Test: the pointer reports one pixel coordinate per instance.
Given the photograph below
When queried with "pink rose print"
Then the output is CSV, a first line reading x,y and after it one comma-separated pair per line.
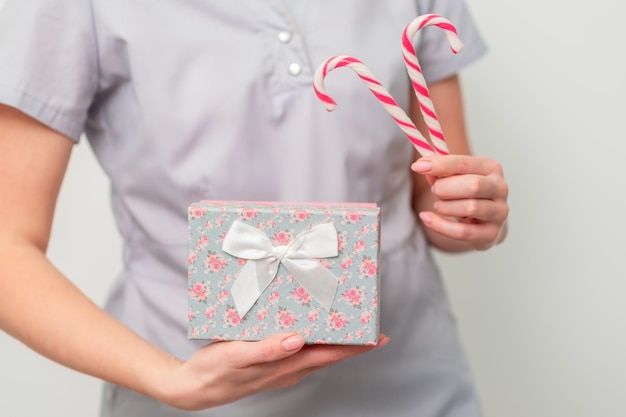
x,y
346,262
199,292
307,332
374,227
375,302
262,313
353,296
348,338
270,223
301,215
209,313
227,279
369,267
194,332
241,261
219,221
301,296
197,212
190,315
274,297
359,246
281,238
231,317
214,262
285,318
208,225
359,333
203,241
222,296
325,263
249,213
313,315
342,242
192,258
337,320
366,316
353,216
256,330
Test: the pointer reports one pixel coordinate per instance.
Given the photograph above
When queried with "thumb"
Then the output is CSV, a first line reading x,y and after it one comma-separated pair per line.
x,y
274,348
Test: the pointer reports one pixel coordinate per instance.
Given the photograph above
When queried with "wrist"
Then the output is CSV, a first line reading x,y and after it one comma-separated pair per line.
x,y
162,379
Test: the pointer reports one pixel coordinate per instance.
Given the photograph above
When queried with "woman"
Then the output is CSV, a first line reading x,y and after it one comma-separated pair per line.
x,y
213,100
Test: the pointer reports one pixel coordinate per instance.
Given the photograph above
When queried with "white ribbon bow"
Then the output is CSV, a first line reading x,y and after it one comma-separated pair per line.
x,y
248,242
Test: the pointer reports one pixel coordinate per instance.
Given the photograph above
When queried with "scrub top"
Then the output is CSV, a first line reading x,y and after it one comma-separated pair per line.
x,y
204,99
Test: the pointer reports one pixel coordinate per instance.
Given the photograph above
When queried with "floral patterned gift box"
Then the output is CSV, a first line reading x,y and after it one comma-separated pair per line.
x,y
257,269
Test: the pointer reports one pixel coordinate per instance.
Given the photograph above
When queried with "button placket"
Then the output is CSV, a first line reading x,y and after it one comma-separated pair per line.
x,y
295,69
292,63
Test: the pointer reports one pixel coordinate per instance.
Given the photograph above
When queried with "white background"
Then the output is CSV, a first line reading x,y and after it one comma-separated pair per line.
x,y
543,317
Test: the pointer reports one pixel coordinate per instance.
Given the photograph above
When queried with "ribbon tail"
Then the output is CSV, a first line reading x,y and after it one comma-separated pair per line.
x,y
254,277
315,278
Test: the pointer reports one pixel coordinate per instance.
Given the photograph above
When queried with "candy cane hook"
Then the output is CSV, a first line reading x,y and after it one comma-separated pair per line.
x,y
417,78
381,93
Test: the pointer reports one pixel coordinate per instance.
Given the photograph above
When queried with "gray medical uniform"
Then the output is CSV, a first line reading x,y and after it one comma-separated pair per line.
x,y
184,100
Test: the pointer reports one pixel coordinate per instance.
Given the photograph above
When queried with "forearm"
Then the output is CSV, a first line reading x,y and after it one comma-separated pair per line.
x,y
45,311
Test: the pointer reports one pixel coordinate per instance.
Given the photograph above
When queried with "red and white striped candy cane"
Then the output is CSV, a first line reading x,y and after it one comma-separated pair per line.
x,y
417,78
381,93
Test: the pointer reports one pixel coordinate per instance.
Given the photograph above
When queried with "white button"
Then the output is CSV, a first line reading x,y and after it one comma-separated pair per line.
x,y
284,36
295,69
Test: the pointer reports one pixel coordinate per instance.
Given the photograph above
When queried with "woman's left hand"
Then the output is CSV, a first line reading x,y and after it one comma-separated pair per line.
x,y
470,196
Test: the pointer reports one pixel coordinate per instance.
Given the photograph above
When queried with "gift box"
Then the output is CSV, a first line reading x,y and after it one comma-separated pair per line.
x,y
257,269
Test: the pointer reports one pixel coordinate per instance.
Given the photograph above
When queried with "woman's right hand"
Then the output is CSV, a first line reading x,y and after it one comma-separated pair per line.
x,y
224,372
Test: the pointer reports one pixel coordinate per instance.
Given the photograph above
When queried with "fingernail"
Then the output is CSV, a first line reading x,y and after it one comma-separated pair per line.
x,y
292,343
426,218
382,342
422,166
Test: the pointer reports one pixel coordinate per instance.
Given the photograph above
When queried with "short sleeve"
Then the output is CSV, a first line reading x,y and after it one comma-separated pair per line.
x,y
436,59
48,61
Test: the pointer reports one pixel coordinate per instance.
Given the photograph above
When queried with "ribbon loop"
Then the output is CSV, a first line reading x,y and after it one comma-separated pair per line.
x,y
247,242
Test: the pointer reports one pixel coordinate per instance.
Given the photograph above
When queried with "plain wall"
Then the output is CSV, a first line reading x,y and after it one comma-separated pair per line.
x,y
542,316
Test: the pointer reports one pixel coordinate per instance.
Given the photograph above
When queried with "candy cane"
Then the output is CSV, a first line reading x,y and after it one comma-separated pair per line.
x,y
381,93
417,78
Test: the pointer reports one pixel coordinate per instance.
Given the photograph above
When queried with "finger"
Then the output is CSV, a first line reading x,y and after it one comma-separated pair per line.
x,y
478,235
271,349
449,165
469,186
325,355
290,370
479,209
